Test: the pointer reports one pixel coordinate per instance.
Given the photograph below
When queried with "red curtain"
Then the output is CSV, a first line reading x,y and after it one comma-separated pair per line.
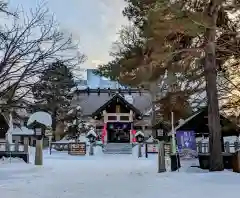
x,y
133,135
104,132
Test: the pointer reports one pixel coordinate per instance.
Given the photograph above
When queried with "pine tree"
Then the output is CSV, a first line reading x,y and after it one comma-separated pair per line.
x,y
53,91
75,124
195,37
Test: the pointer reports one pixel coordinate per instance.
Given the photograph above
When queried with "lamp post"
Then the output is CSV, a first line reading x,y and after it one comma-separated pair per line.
x,y
140,139
91,135
39,132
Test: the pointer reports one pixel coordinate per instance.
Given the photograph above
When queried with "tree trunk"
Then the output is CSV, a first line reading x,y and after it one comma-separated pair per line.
x,y
210,71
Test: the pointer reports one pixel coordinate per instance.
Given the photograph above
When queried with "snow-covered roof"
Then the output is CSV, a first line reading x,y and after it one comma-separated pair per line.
x,y
139,133
70,111
22,131
41,117
74,109
148,113
78,87
185,121
90,103
92,132
182,122
151,139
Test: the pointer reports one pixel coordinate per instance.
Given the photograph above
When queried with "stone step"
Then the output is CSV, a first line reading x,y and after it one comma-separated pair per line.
x,y
117,148
118,153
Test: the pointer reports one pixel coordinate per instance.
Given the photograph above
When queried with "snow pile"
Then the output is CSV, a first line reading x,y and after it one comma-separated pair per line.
x,y
41,117
103,176
82,138
5,160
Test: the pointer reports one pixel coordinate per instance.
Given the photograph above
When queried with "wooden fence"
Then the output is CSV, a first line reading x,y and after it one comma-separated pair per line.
x,y
202,148
59,146
15,147
14,150
63,146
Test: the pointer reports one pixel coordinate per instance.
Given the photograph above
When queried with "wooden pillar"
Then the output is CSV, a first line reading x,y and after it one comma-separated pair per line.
x,y
25,147
143,129
131,116
131,133
105,119
26,143
32,141
39,152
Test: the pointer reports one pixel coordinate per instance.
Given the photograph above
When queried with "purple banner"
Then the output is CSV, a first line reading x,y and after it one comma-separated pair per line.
x,y
186,143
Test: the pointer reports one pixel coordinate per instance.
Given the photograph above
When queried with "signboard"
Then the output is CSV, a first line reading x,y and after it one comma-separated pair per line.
x,y
77,148
38,131
186,144
152,148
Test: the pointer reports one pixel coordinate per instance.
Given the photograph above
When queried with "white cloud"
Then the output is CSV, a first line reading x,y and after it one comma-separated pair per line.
x,y
97,34
94,23
111,21
96,62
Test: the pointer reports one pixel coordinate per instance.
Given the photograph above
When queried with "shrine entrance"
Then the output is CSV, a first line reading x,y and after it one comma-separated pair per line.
x,y
118,116
118,132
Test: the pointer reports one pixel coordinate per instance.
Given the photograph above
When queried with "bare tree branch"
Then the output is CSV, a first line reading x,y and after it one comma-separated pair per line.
x,y
27,47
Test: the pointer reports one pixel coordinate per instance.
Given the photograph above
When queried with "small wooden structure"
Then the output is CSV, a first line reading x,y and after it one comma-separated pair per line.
x,y
19,148
198,123
14,150
78,148
59,146
22,135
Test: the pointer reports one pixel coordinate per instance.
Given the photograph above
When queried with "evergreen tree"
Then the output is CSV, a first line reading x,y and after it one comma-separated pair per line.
x,y
194,37
75,124
53,91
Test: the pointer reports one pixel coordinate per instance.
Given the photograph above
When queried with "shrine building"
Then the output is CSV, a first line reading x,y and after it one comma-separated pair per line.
x,y
116,114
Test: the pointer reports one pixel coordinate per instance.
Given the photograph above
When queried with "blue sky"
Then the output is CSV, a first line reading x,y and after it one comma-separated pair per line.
x,y
93,22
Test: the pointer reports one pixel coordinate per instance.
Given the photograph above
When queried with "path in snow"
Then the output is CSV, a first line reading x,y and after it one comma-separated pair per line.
x,y
109,176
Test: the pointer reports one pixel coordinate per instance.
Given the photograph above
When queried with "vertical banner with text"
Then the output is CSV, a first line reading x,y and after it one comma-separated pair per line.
x,y
186,143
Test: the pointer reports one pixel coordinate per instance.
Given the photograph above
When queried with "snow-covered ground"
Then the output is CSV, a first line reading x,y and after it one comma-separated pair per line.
x,y
110,176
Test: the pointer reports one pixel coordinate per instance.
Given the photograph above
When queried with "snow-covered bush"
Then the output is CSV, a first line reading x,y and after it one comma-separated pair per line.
x,y
75,124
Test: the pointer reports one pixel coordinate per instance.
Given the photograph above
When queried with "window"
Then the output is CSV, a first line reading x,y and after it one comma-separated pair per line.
x,y
125,118
112,117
